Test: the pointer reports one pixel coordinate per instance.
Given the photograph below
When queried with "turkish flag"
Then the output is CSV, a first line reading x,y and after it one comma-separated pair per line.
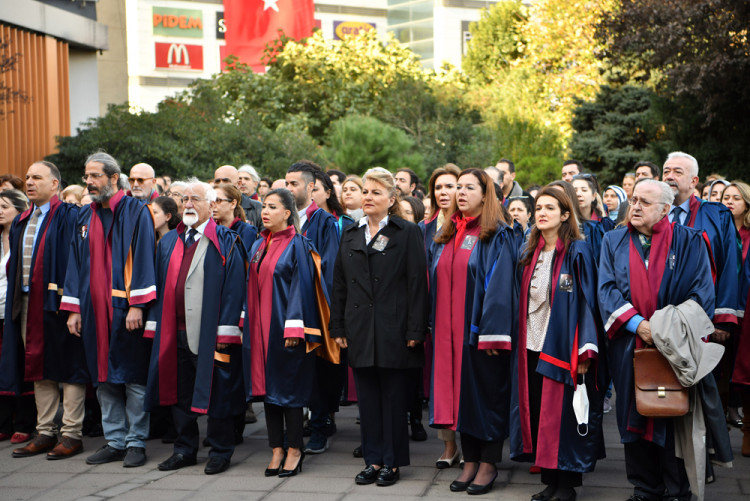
x,y
251,24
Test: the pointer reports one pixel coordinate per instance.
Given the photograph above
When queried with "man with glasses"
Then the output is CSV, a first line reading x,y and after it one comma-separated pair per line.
x,y
227,174
142,180
110,280
176,191
196,358
644,267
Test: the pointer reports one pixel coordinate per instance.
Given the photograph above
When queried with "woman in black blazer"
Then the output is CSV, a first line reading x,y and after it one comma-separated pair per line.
x,y
379,311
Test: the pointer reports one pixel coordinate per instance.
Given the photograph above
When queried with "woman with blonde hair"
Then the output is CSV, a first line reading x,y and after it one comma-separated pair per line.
x,y
351,197
72,194
379,312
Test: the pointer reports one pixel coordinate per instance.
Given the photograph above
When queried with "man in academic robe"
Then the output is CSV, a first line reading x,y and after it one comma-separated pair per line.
x,y
644,267
36,345
196,358
321,229
110,281
143,182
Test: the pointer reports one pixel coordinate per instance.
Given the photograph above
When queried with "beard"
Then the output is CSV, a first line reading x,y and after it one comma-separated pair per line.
x,y
103,194
190,218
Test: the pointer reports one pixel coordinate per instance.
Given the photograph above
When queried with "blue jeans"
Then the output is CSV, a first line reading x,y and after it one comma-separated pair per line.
x,y
124,421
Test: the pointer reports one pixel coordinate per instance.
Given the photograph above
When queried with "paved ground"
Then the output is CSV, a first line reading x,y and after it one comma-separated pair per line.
x,y
329,476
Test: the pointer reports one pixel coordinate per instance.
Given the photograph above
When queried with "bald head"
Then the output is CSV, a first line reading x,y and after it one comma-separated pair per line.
x,y
226,174
142,180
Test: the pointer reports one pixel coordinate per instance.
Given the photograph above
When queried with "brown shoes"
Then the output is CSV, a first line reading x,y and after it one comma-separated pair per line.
x,y
40,444
66,448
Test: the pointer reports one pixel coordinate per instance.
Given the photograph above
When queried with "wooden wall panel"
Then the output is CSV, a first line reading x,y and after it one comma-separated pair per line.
x,y
35,98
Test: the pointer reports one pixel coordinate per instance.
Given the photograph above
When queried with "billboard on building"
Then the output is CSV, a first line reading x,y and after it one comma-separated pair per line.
x,y
177,22
344,28
178,56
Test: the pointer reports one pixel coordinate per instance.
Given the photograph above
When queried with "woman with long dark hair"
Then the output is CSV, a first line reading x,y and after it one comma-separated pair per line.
x,y
589,200
227,211
591,231
166,217
472,265
284,321
558,350
324,196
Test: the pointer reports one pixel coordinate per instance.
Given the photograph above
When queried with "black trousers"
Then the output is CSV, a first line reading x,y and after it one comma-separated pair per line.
x,y
481,451
417,394
384,398
329,384
276,417
559,478
220,432
17,414
656,472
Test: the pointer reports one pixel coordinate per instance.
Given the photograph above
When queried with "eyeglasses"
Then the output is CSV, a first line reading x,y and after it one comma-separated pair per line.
x,y
222,180
139,180
193,199
585,175
519,197
92,175
644,204
173,194
227,200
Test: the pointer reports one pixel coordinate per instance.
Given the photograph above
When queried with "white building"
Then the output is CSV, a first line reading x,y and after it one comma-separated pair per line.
x,y
169,43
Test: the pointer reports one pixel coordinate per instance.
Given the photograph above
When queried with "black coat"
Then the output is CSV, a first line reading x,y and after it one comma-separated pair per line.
x,y
379,298
252,212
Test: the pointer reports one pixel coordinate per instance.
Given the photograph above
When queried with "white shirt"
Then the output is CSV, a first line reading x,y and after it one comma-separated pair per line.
x,y
4,283
200,229
303,216
381,225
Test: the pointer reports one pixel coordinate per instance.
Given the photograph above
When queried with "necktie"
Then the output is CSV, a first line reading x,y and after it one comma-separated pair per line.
x,y
190,240
28,245
676,212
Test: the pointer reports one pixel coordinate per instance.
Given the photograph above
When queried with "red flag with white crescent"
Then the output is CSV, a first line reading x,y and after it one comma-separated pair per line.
x,y
251,24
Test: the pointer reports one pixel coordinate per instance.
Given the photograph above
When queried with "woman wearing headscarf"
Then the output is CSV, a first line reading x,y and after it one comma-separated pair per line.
x,y
616,201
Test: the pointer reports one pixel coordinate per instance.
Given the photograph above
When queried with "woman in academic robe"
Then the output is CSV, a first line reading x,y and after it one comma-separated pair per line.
x,y
736,197
379,312
590,230
442,187
473,265
558,349
283,324
227,211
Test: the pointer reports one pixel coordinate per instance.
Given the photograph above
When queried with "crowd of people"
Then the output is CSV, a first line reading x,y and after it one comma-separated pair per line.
x,y
515,314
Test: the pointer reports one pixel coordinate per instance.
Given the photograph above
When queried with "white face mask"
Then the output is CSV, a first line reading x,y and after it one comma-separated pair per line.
x,y
581,408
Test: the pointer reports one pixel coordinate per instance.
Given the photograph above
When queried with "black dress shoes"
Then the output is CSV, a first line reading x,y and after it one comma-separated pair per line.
x,y
357,452
544,495
175,462
216,465
477,489
418,433
367,476
387,476
564,494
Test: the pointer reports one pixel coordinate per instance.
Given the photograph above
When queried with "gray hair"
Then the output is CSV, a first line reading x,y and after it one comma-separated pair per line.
x,y
666,193
178,184
249,169
691,158
110,167
209,190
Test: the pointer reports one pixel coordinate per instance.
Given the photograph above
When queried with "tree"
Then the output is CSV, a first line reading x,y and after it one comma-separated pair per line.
x,y
695,55
496,40
616,130
357,143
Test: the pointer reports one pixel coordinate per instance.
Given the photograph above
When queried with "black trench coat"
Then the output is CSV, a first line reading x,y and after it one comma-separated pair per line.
x,y
379,298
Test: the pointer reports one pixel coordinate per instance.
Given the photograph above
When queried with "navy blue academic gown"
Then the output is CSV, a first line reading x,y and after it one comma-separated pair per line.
x,y
322,229
51,352
687,275
574,334
218,388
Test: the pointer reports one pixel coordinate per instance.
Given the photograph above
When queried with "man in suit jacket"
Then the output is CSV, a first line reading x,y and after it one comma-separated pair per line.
x,y
196,363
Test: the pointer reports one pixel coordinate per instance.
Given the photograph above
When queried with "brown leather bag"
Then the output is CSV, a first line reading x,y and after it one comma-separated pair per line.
x,y
658,392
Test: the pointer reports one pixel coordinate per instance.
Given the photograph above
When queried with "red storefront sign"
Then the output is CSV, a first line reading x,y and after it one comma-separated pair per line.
x,y
178,56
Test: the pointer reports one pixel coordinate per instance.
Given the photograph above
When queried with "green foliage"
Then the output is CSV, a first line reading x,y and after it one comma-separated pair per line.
x,y
615,131
496,40
357,143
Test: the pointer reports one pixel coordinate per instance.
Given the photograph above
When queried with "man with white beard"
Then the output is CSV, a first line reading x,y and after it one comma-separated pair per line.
x,y
196,363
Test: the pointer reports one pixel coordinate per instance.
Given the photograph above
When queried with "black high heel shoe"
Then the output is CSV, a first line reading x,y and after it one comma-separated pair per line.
x,y
272,472
481,489
290,473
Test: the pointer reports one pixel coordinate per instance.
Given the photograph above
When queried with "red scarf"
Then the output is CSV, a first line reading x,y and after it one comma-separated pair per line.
x,y
461,223
645,283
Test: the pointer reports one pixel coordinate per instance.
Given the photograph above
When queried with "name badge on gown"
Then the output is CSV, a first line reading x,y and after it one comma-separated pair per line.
x,y
469,242
84,232
380,243
672,259
256,258
566,283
